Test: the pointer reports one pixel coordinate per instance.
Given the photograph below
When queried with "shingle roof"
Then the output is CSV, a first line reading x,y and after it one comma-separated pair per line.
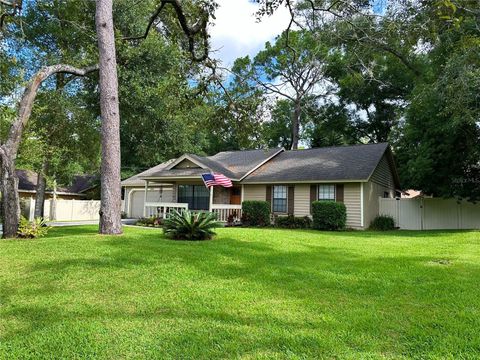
x,y
27,181
233,164
136,180
356,162
340,163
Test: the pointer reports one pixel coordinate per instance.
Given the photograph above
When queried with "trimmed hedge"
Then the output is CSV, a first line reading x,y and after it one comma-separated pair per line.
x,y
329,215
255,213
382,223
293,222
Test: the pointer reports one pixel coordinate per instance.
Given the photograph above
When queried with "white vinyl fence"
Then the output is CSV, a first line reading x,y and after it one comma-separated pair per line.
x,y
66,210
431,213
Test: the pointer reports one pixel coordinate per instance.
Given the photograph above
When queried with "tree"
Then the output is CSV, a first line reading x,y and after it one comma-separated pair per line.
x,y
164,111
110,209
8,150
111,203
439,149
238,111
292,68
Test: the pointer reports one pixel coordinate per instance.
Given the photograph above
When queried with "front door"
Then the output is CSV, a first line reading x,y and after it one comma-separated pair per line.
x,y
236,195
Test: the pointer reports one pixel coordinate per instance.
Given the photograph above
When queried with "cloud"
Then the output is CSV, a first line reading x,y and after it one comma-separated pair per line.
x,y
237,33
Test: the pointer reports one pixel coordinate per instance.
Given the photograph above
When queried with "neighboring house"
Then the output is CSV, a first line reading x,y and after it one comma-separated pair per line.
x,y
81,188
289,180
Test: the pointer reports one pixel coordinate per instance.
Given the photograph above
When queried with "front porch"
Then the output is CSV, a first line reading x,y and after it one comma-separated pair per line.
x,y
194,196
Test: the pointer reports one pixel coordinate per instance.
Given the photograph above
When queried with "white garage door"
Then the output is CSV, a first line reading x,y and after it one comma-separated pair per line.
x,y
154,195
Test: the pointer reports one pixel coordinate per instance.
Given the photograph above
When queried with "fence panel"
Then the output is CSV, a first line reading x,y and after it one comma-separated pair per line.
x,y
72,210
440,214
431,213
470,216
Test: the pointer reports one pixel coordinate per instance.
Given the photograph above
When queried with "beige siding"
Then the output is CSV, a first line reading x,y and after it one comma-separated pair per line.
x,y
380,182
383,175
302,200
371,193
255,192
352,200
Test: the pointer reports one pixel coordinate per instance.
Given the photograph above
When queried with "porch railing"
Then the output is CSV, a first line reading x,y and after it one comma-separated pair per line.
x,y
224,211
163,209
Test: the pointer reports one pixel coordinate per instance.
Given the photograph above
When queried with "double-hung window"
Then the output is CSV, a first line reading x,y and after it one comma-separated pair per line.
x,y
280,199
326,192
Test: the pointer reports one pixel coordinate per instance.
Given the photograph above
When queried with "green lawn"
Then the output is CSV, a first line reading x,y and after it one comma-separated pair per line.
x,y
249,293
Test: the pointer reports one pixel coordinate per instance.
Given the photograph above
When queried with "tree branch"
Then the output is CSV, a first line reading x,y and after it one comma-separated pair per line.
x,y
16,6
199,28
28,98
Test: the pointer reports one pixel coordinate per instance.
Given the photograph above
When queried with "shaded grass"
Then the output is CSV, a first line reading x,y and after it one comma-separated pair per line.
x,y
249,293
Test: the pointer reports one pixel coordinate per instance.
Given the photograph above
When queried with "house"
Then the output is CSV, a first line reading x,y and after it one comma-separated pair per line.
x,y
290,181
82,186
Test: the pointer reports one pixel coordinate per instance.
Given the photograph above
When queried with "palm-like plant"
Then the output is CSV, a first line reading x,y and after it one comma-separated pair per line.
x,y
186,225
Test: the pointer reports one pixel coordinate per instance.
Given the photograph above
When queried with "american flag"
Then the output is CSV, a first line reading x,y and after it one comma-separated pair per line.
x,y
216,180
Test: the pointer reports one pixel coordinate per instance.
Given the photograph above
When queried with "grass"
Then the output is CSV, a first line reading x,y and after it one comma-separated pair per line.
x,y
249,293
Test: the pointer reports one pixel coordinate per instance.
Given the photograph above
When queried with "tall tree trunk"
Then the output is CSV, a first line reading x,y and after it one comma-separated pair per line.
x,y
40,191
10,198
296,113
111,198
8,150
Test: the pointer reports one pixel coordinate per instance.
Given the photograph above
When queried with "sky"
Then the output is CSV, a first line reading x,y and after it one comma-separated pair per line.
x,y
237,33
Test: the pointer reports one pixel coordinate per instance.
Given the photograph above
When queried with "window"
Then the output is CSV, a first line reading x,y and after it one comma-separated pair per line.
x,y
196,196
326,192
280,199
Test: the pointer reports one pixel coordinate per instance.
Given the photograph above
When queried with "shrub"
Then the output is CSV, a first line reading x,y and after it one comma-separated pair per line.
x,y
32,229
293,222
256,213
382,223
329,215
150,222
187,225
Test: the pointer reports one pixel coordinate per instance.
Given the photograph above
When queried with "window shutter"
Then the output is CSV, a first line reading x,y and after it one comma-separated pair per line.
x,y
313,195
291,200
268,197
339,193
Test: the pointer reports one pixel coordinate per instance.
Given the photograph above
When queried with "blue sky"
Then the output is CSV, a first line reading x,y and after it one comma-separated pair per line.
x,y
237,33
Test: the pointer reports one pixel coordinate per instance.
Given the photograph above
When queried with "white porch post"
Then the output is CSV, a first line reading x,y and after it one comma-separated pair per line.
x,y
145,199
241,194
211,199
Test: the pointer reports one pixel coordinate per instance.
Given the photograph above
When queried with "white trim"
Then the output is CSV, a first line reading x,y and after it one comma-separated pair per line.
x,y
198,177
184,157
313,182
361,206
226,206
262,163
